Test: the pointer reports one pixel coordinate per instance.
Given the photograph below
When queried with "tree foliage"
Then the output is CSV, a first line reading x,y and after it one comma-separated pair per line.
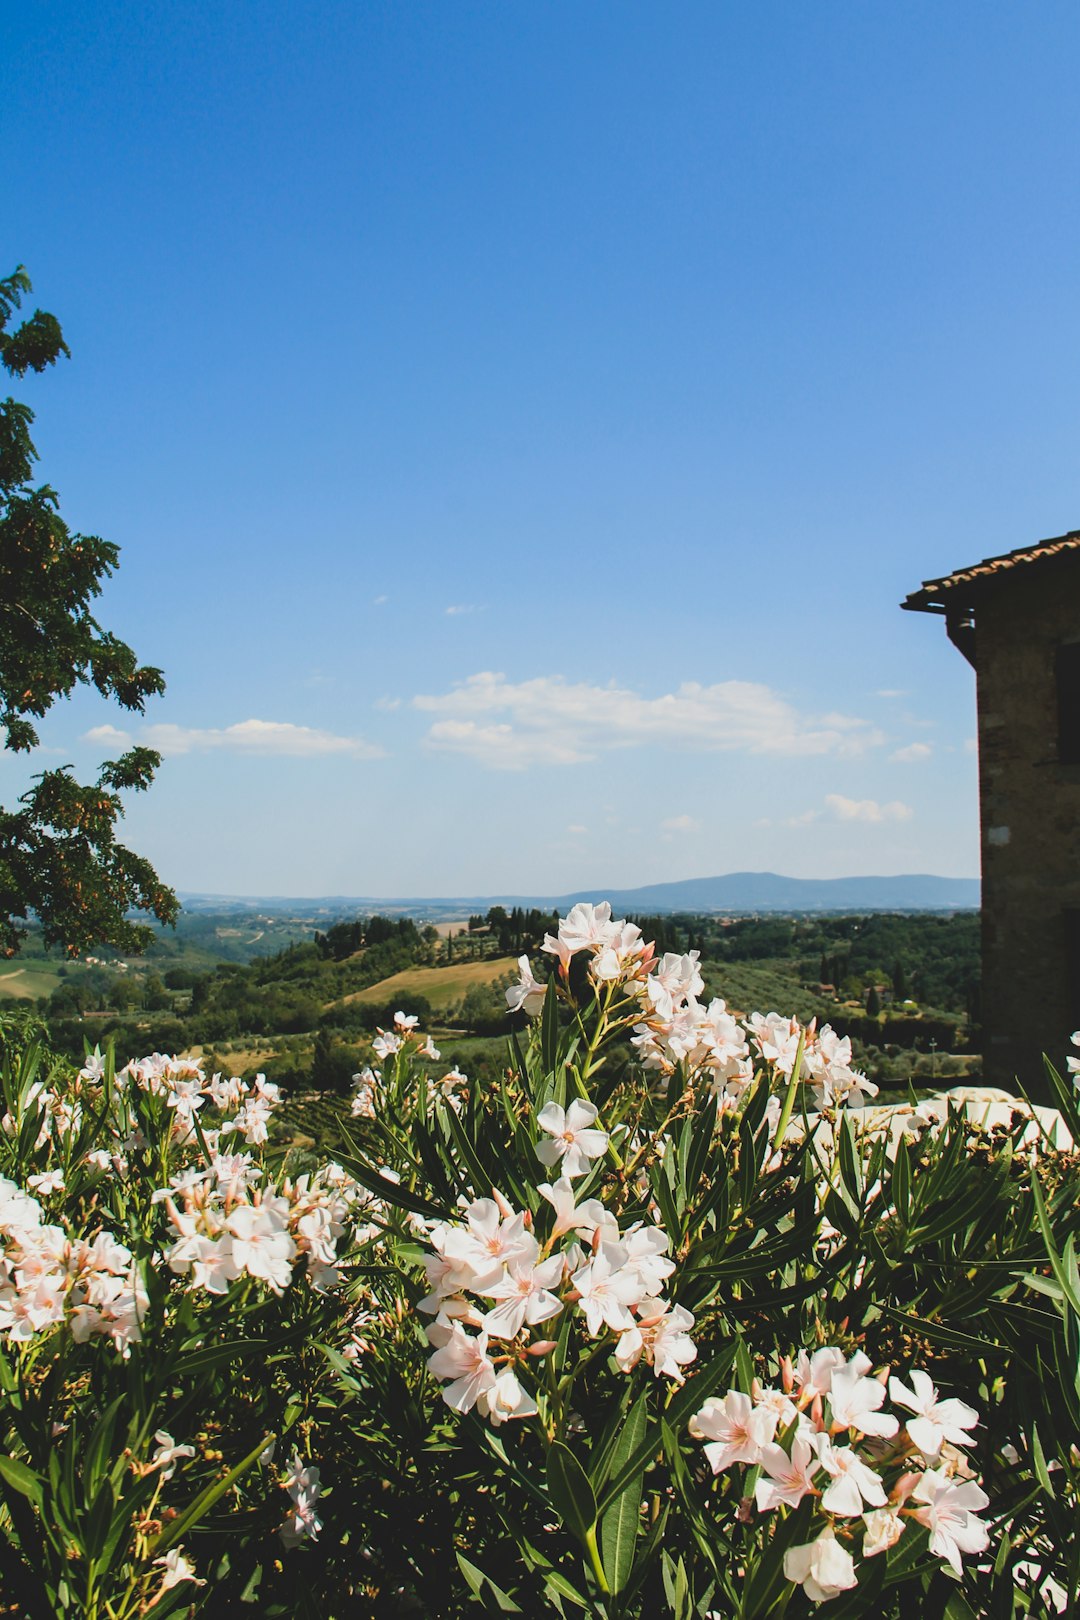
x,y
59,856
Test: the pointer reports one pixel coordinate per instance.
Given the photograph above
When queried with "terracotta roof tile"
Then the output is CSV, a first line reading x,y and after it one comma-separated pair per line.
x,y
931,598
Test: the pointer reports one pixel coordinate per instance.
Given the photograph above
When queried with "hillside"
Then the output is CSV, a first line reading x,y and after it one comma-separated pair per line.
x,y
732,892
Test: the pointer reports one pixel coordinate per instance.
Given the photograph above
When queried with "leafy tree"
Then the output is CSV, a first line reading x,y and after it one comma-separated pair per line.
x,y
59,857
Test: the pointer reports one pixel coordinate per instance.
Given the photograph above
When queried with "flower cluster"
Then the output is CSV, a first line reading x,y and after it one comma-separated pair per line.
x,y
226,1225
245,1108
617,950
826,1435
47,1278
673,1028
404,1041
301,1522
492,1274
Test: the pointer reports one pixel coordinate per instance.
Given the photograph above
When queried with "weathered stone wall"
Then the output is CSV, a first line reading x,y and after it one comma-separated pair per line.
x,y
1030,821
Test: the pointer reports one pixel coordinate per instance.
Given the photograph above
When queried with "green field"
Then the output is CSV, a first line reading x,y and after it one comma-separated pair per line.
x,y
26,983
442,986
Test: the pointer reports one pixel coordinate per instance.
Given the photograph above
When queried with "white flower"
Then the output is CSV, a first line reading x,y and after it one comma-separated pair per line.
x,y
49,1182
661,1334
587,1217
167,1452
884,1527
936,1420
739,1432
177,1568
790,1478
949,1515
260,1246
584,927
1073,1063
607,1291
524,1292
573,1140
505,1399
855,1400
528,993
301,1522
464,1360
822,1568
853,1483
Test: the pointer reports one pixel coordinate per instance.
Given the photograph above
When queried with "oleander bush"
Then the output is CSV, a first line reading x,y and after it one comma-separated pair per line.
x,y
670,1318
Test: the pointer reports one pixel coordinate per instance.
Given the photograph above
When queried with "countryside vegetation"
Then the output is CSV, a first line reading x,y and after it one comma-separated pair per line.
x,y
303,1001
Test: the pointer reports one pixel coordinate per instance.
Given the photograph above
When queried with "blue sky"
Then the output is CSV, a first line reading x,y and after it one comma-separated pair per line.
x,y
521,423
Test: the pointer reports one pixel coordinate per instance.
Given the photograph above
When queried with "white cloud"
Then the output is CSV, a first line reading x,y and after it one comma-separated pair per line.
x,y
463,607
379,601
912,753
551,721
867,809
677,824
262,737
891,692
109,737
577,831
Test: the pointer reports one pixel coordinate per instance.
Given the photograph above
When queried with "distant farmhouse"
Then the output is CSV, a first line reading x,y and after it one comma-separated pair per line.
x,y
1016,619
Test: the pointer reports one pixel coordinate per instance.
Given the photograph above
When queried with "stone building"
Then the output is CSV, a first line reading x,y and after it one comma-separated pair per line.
x,y
1016,619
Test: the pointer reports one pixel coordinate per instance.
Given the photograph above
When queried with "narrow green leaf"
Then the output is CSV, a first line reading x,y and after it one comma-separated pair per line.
x,y
392,1191
478,1580
570,1492
958,1608
619,1527
692,1395
21,1478
216,1355
549,1031
178,1528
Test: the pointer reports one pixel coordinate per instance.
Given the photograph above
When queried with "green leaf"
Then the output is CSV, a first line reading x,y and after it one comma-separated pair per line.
x,y
215,1355
98,1521
693,1393
619,1527
391,1191
958,1608
100,1447
939,1334
21,1478
570,1493
1038,1457
178,1528
549,1032
559,1583
478,1580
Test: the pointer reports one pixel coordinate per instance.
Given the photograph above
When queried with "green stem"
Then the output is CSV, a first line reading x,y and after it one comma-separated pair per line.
x,y
594,1560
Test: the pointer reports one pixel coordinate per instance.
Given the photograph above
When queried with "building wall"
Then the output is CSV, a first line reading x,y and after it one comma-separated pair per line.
x,y
1030,824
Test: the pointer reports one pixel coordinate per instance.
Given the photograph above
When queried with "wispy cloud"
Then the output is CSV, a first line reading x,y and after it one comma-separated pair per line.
x,y
509,725
379,601
463,607
867,809
912,753
680,824
266,738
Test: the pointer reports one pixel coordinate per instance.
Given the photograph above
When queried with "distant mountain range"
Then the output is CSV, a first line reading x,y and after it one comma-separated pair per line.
x,y
734,892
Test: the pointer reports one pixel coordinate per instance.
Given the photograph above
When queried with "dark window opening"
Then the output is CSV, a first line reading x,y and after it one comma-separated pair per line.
x,y
1067,671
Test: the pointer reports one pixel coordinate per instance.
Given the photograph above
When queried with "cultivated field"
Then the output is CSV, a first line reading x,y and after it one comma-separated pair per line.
x,y
442,986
